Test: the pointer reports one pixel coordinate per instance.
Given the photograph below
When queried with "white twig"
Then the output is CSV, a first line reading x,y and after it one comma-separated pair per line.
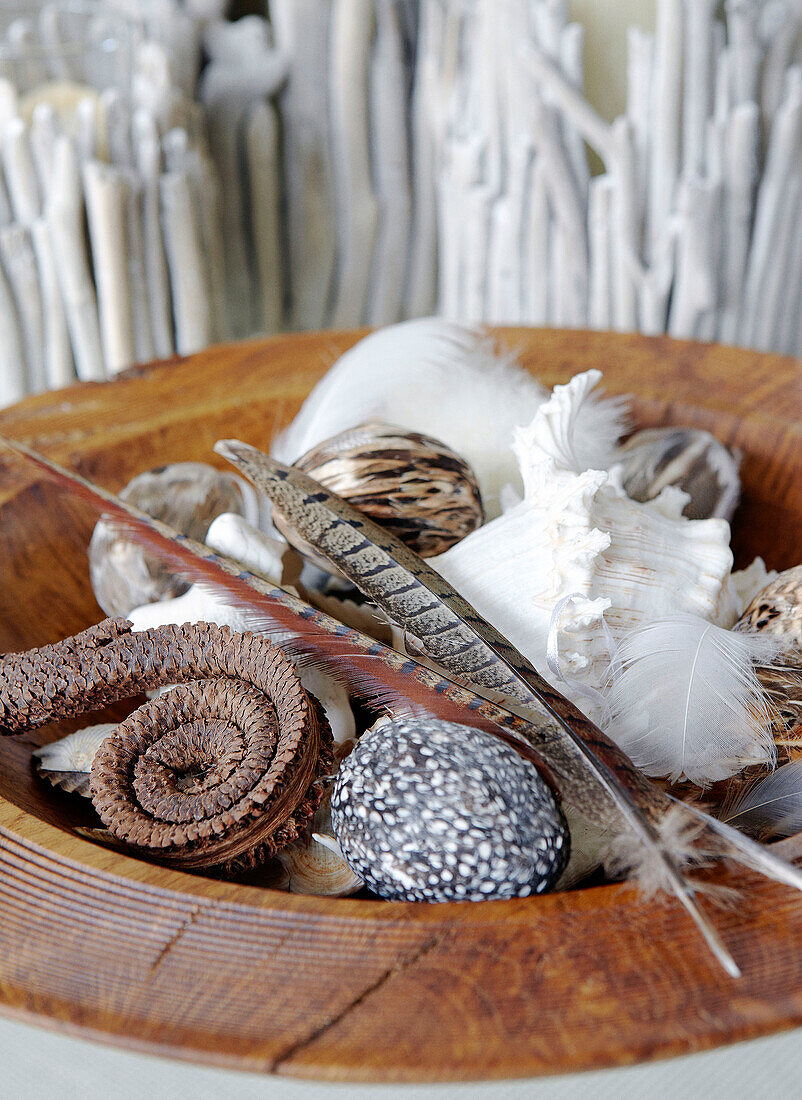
x,y
148,162
741,171
357,209
265,188
696,281
698,82
599,221
390,159
20,173
20,266
106,192
13,381
182,240
64,213
59,366
537,228
666,113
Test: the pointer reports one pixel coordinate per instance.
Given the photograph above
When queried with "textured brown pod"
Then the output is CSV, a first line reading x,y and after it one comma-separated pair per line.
x,y
693,460
221,771
188,496
777,610
413,485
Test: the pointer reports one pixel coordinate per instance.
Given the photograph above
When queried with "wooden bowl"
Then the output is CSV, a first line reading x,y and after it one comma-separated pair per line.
x,y
118,949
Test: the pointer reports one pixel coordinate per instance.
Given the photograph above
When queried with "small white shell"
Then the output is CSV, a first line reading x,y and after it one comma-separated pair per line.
x,y
67,763
317,865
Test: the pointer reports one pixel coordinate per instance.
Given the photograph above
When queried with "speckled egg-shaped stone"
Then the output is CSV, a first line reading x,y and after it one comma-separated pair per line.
x,y
426,810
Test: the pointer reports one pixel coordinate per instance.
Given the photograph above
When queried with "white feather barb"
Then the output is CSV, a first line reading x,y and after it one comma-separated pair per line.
x,y
684,700
771,807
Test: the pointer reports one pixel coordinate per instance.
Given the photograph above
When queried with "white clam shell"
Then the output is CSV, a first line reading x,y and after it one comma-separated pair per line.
x,y
316,865
67,763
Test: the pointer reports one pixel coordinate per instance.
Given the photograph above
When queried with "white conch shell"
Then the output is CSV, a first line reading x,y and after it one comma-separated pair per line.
x,y
67,763
433,376
236,538
577,532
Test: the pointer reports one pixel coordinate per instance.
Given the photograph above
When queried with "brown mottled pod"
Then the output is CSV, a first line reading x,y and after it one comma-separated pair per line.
x,y
777,610
689,458
188,496
409,483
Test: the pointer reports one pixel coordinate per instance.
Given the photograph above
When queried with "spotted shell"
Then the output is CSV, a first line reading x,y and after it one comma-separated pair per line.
x,y
426,810
413,485
777,610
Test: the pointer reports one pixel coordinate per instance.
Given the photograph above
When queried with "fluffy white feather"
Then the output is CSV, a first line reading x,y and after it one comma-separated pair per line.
x,y
771,807
432,376
684,700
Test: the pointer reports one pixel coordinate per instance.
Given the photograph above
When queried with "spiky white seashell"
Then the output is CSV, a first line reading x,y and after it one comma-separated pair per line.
x,y
577,532
447,381
67,763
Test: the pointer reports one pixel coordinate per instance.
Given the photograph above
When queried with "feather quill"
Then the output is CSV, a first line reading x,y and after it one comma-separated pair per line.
x,y
685,701
591,771
772,806
382,677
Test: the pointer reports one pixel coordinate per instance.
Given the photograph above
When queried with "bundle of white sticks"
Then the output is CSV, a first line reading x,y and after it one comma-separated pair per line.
x,y
128,228
364,161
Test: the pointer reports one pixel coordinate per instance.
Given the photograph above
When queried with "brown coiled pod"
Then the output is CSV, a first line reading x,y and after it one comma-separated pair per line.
x,y
220,772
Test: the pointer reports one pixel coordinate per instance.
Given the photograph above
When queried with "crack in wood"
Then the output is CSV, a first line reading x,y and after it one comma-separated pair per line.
x,y
174,939
296,1048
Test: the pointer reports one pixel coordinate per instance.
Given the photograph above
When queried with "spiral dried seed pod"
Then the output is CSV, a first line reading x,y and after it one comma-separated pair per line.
x,y
219,772
413,485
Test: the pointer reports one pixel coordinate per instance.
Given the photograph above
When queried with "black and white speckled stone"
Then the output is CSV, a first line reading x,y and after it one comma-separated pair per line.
x,y
433,811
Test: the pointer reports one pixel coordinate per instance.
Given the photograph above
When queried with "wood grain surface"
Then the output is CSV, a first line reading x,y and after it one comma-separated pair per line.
x,y
114,948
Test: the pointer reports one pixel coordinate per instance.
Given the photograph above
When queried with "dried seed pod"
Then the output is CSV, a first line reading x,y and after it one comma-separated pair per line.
x,y
188,496
691,459
220,772
777,610
426,810
67,763
413,485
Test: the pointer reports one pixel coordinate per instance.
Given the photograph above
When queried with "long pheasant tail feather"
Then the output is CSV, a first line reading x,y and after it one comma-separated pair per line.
x,y
373,672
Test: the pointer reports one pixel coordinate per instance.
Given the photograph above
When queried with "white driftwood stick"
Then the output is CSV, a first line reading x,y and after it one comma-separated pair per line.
x,y
302,33
790,313
698,96
745,49
426,112
695,282
64,214
778,57
147,154
106,191
600,216
264,178
666,114
139,307
390,159
572,45
20,173
20,266
625,226
210,200
537,229
640,62
741,172
769,319
782,161
44,133
91,138
505,274
13,376
59,366
182,240
115,124
357,209
9,103
478,202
